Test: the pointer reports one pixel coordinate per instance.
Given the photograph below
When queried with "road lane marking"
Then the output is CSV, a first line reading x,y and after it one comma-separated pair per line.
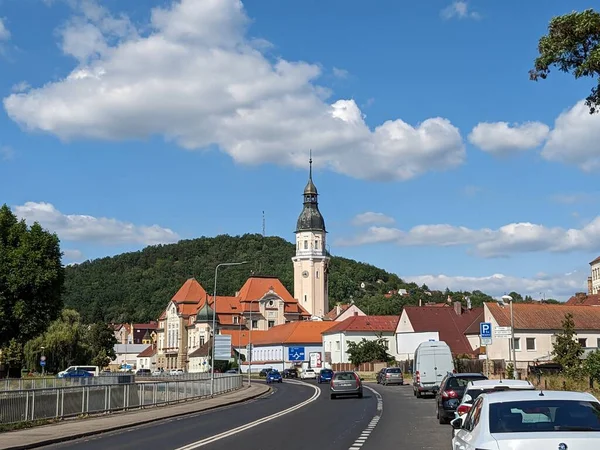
x,y
225,434
360,441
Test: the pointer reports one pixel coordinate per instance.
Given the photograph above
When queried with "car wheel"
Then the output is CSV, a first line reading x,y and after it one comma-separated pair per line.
x,y
441,419
332,396
418,394
360,395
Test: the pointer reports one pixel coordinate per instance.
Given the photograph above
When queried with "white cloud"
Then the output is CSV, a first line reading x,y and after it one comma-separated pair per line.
x,y
557,286
459,9
372,218
502,137
486,242
75,227
73,255
4,33
574,139
197,80
340,73
579,197
472,190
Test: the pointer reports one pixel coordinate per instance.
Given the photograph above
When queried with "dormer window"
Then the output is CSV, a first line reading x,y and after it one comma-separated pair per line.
x,y
271,302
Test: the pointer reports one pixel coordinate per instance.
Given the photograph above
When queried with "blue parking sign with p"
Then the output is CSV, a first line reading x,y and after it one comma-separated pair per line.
x,y
485,329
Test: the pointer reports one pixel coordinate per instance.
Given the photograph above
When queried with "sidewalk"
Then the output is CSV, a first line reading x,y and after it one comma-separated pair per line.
x,y
78,428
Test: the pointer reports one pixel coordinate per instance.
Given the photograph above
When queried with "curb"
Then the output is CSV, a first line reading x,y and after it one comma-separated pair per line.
x,y
73,437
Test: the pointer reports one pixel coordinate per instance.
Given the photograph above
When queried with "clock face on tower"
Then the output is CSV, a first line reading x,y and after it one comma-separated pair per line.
x,y
305,274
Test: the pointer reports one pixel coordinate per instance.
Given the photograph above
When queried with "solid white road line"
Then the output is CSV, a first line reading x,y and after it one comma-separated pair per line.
x,y
218,437
372,424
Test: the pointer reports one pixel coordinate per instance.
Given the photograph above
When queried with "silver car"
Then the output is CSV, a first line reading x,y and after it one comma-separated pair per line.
x,y
346,383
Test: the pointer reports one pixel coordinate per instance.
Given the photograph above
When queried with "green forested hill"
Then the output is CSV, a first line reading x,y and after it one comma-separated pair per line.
x,y
137,286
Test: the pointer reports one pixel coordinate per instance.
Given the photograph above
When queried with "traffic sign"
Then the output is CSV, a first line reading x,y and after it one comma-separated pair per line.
x,y
502,329
502,332
486,341
42,358
296,353
485,329
42,363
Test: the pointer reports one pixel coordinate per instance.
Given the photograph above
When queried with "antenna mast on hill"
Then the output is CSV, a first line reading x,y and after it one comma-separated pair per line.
x,y
263,225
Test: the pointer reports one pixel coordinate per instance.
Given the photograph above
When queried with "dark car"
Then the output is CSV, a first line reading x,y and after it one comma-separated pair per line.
x,y
324,376
77,373
346,383
274,377
380,375
450,394
264,372
290,373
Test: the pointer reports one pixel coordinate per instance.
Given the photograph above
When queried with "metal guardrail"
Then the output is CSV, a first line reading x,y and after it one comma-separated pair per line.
x,y
20,384
56,403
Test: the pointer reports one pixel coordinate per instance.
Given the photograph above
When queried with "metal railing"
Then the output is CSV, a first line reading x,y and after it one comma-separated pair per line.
x,y
21,384
61,402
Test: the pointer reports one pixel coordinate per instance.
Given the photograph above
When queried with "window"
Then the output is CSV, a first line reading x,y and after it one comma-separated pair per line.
x,y
305,245
337,345
598,342
271,323
530,344
305,298
316,244
254,324
236,320
583,342
271,302
201,340
386,344
517,344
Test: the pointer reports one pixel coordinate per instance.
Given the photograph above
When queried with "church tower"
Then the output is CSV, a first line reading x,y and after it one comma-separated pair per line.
x,y
311,261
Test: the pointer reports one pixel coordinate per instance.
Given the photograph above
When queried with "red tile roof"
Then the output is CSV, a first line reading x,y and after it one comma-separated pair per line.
x,y
148,352
334,314
365,324
584,300
190,292
450,326
529,316
243,338
300,332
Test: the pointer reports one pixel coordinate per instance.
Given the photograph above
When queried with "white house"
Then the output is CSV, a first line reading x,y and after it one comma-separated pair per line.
x,y
354,329
127,354
295,344
440,322
535,328
594,280
341,312
147,359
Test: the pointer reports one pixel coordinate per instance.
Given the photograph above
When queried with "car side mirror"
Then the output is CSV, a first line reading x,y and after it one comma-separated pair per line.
x,y
457,423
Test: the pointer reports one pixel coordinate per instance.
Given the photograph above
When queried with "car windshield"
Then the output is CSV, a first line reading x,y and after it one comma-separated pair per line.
x,y
394,370
474,393
345,376
544,415
327,371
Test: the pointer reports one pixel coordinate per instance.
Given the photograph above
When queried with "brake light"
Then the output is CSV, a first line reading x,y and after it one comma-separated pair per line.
x,y
463,409
449,394
418,377
453,370
357,378
387,375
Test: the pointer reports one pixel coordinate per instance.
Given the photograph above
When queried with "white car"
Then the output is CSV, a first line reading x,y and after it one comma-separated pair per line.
x,y
532,420
308,373
475,388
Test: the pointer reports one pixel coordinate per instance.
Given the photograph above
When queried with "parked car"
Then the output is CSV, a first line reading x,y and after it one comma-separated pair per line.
x,y
308,373
264,372
274,377
290,373
432,361
451,392
346,383
380,375
143,372
94,370
475,388
519,420
391,375
176,372
324,376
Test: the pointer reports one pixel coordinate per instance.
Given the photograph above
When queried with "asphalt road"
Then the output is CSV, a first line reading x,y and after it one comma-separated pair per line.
x,y
406,422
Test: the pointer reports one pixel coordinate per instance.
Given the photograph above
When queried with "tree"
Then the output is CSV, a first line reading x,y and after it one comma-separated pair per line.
x,y
573,45
591,365
31,279
101,342
368,351
567,350
12,356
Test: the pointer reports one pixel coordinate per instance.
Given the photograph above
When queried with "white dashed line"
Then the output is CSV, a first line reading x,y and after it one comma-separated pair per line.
x,y
372,424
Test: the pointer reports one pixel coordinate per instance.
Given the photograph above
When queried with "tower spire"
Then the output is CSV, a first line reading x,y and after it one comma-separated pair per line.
x,y
310,164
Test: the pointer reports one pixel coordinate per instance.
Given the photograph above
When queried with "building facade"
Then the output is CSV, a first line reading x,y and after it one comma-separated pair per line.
x,y
311,262
594,280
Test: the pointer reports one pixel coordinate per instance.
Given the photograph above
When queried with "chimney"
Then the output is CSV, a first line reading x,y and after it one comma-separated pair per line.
x,y
458,308
338,309
590,286
420,302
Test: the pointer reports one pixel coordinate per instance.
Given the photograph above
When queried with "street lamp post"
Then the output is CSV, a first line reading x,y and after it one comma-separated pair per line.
x,y
214,330
509,299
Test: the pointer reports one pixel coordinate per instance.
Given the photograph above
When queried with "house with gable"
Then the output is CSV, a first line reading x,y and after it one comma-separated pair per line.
x,y
342,311
452,325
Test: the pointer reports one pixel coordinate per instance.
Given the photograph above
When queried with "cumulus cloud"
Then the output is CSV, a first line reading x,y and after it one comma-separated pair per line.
x,y
340,73
197,80
578,197
502,137
372,218
75,227
574,139
460,10
4,33
74,256
486,242
557,286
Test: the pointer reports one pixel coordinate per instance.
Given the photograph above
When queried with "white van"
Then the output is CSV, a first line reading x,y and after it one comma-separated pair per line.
x,y
433,360
94,370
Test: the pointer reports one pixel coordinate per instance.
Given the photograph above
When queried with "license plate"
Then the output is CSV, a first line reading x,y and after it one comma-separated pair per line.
x,y
345,384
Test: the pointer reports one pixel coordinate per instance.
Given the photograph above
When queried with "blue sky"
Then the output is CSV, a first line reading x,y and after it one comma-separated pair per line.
x,y
144,121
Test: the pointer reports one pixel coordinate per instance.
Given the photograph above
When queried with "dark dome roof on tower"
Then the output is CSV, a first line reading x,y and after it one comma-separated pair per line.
x,y
205,314
310,187
310,219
